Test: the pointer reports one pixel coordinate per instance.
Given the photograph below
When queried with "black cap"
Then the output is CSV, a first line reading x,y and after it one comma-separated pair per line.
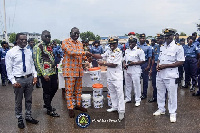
x,y
142,35
112,40
160,36
182,40
132,40
194,33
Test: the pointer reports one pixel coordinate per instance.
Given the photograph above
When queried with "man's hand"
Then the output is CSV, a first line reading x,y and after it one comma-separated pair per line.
x,y
88,54
16,85
126,66
150,72
46,78
160,67
101,63
34,80
147,68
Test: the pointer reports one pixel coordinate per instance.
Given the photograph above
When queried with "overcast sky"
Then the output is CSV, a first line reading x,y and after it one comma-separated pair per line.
x,y
102,17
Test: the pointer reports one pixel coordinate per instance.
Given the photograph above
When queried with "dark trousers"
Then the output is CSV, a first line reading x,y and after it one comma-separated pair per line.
x,y
145,77
49,89
181,71
190,66
26,89
3,71
154,73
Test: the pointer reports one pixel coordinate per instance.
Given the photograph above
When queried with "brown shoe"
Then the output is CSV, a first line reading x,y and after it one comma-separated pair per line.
x,y
71,113
81,108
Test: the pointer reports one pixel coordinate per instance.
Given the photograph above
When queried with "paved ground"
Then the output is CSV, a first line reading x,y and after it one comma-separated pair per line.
x,y
137,119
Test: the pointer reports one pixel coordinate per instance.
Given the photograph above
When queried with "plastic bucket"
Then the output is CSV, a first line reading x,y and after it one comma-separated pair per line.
x,y
97,90
86,100
95,73
98,102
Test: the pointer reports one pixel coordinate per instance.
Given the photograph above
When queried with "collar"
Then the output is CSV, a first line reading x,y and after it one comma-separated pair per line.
x,y
20,48
170,45
73,40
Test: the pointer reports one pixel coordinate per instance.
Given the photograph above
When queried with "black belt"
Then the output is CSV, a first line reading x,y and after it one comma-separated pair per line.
x,y
26,76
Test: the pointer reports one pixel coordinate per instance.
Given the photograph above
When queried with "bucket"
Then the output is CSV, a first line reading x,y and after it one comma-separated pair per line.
x,y
109,100
98,102
95,73
86,100
97,89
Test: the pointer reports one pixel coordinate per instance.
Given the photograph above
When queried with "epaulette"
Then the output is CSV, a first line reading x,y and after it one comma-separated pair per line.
x,y
178,44
117,50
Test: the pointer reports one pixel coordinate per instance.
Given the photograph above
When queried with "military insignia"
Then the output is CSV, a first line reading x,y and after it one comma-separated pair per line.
x,y
166,31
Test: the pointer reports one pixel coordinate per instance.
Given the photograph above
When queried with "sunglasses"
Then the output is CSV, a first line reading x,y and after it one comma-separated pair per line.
x,y
47,36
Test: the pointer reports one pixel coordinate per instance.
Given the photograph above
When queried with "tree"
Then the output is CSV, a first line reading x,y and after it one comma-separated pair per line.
x,y
198,27
57,41
89,35
35,41
182,34
12,37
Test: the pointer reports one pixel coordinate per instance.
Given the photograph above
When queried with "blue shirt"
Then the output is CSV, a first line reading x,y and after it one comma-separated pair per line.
x,y
96,50
147,50
29,47
190,51
196,43
156,51
57,50
3,53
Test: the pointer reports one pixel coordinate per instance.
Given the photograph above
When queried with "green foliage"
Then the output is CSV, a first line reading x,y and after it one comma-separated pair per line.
x,y
89,35
198,27
182,34
35,41
12,37
57,41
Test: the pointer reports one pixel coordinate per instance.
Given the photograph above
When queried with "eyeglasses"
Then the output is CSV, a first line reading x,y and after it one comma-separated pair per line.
x,y
47,36
23,40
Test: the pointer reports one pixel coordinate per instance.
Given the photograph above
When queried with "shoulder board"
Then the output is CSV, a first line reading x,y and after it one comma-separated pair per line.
x,y
138,48
178,44
148,45
162,45
117,50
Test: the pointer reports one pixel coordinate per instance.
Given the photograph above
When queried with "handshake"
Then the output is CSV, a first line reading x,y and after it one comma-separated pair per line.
x,y
89,56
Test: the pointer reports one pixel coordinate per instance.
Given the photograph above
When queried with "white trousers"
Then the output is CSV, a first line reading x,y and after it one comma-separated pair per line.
x,y
171,87
117,95
132,80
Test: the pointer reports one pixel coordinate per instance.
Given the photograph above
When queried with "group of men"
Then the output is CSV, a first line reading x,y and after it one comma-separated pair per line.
x,y
26,65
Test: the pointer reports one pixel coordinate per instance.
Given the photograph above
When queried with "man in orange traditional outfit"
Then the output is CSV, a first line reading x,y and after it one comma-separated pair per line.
x,y
72,70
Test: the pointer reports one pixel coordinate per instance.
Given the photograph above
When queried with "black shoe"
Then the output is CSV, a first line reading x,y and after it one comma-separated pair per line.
x,y
3,84
152,100
196,94
31,120
52,113
143,96
53,109
21,124
38,86
192,89
185,86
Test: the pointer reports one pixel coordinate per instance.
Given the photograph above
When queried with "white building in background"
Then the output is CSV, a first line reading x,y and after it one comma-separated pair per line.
x,y
29,35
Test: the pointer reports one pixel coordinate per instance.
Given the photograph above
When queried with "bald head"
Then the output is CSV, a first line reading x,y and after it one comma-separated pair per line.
x,y
74,34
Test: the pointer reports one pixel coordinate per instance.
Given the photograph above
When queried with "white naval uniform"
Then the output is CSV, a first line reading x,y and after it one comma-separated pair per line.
x,y
115,79
133,73
165,79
